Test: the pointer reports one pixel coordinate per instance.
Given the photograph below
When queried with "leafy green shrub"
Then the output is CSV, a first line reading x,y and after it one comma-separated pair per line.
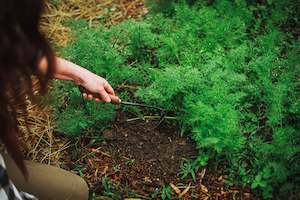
x,y
227,69
74,115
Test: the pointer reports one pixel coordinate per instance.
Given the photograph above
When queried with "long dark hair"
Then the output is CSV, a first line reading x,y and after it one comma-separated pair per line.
x,y
22,46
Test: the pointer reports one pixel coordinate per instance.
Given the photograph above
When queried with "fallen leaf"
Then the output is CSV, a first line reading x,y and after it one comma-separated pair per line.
x,y
202,174
108,134
96,172
104,170
185,190
220,178
203,188
175,188
147,179
206,198
95,150
247,195
91,162
132,199
102,198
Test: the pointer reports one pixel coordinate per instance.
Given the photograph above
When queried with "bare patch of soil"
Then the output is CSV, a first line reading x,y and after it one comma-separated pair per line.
x,y
137,155
137,158
149,155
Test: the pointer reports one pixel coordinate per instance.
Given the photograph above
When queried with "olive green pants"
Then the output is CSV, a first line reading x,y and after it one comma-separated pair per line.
x,y
47,182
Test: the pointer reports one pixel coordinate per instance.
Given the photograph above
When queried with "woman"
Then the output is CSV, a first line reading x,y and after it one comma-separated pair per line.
x,y
24,53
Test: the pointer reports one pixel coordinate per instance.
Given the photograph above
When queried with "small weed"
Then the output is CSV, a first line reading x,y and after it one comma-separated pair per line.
x,y
117,168
166,192
108,188
79,169
156,193
189,167
130,162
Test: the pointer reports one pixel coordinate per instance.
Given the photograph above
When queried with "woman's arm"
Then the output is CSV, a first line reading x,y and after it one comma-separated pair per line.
x,y
97,87
66,70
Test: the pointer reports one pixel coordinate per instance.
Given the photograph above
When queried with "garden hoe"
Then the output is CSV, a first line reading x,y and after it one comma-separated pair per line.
x,y
116,100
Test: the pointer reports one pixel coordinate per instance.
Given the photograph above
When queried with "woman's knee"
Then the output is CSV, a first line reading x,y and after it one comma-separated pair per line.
x,y
48,182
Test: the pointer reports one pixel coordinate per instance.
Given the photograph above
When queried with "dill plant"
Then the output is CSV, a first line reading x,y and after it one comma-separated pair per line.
x,y
228,69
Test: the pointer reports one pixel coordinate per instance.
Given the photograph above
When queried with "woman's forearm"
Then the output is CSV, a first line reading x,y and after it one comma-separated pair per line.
x,y
96,86
65,70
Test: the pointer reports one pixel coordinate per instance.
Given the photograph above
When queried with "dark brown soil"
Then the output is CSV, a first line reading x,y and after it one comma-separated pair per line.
x,y
147,154
139,157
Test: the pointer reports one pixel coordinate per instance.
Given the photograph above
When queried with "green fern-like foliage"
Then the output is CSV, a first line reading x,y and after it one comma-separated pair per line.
x,y
229,70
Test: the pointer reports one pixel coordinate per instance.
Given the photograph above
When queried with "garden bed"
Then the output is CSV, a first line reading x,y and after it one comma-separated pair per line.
x,y
139,159
235,94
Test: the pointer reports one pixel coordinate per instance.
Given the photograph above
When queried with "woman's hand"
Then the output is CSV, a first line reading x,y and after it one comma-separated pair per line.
x,y
95,87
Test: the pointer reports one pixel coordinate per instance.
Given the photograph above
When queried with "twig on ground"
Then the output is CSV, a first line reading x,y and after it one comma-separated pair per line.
x,y
150,118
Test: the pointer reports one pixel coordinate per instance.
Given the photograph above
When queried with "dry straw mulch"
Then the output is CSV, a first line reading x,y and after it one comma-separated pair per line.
x,y
42,144
107,12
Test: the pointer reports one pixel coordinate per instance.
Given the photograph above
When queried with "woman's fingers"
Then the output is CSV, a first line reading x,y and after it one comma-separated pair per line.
x,y
109,89
90,97
104,96
115,99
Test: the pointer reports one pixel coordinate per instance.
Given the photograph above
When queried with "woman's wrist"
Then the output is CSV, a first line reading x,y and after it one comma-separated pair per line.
x,y
67,70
